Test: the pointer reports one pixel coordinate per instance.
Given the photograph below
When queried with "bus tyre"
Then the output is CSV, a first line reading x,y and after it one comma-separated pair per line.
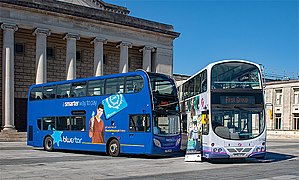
x,y
114,148
48,144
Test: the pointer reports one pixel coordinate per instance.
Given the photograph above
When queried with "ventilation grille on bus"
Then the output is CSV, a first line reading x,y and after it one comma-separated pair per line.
x,y
232,150
30,133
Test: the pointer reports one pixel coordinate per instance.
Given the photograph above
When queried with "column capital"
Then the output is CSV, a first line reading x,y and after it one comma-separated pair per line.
x,y
47,32
9,26
124,43
147,48
72,35
99,40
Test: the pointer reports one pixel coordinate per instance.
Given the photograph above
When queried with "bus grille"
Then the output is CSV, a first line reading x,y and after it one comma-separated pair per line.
x,y
232,150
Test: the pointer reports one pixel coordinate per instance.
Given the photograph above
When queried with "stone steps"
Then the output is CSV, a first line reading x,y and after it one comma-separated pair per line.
x,y
13,136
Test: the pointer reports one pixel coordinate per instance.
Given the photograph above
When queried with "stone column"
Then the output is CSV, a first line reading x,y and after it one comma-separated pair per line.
x,y
71,55
147,57
98,69
124,56
8,75
41,54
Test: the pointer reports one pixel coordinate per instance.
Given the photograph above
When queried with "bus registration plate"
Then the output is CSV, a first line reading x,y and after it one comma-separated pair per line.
x,y
168,150
238,154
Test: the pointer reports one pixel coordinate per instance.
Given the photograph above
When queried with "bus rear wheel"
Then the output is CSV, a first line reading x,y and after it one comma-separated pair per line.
x,y
114,148
48,144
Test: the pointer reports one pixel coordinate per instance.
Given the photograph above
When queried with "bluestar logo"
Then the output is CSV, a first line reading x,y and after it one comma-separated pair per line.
x,y
76,140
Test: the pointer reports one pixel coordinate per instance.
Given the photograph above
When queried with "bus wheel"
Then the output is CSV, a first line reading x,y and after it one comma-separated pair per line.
x,y
48,144
114,148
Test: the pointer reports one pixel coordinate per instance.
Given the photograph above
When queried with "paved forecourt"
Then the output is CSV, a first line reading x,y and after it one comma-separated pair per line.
x,y
20,161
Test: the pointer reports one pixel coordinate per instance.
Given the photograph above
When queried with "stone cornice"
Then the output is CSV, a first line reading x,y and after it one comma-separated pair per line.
x,y
94,14
99,4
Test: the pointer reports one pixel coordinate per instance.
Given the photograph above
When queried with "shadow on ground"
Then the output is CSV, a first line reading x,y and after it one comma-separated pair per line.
x,y
269,158
142,156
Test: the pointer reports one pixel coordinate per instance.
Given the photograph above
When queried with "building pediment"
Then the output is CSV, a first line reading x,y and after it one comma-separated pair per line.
x,y
99,4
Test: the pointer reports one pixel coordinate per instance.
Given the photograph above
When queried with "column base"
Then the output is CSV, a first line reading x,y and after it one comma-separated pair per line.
x,y
9,128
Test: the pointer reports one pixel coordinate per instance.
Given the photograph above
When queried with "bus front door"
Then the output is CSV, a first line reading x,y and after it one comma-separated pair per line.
x,y
140,134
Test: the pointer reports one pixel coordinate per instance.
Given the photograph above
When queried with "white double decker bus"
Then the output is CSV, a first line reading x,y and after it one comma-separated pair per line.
x,y
223,111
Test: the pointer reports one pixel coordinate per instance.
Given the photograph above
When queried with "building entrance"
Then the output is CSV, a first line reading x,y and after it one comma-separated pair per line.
x,y
21,114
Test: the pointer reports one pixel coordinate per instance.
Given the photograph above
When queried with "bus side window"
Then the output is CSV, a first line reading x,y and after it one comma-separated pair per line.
x,y
48,123
139,123
39,124
96,88
133,84
36,93
49,92
63,123
78,89
78,123
63,90
114,85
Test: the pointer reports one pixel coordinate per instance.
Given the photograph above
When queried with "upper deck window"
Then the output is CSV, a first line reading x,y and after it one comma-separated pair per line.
x,y
36,93
232,75
115,85
96,87
134,84
78,89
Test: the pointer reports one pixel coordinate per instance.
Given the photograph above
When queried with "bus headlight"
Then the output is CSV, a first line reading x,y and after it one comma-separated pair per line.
x,y
178,142
157,142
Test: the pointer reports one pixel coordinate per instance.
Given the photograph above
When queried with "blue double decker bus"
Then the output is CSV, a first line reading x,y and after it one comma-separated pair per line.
x,y
132,113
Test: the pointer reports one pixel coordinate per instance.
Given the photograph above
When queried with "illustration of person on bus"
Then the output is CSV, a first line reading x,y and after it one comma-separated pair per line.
x,y
96,126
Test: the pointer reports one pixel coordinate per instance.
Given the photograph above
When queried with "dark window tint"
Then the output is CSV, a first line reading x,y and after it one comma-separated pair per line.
x,y
39,124
63,90
139,123
63,123
78,123
49,123
49,92
36,93
96,88
114,86
134,84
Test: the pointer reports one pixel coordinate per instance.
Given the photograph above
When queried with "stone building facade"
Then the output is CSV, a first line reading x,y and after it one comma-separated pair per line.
x,y
52,40
282,106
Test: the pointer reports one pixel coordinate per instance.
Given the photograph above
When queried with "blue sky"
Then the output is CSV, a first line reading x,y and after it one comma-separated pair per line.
x,y
262,31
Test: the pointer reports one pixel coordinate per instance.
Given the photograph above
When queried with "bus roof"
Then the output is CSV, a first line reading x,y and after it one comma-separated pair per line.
x,y
137,72
209,66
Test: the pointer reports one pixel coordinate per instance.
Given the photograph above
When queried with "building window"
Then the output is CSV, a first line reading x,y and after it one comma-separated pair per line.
x,y
278,121
296,122
79,56
129,62
105,59
296,96
19,49
278,96
50,52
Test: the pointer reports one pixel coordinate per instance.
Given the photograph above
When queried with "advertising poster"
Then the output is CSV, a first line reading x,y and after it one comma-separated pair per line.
x,y
195,119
